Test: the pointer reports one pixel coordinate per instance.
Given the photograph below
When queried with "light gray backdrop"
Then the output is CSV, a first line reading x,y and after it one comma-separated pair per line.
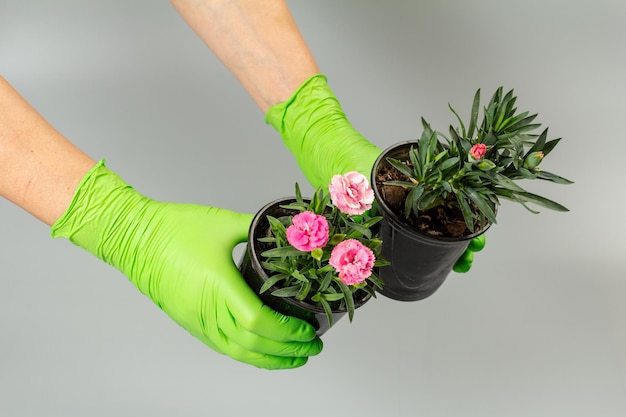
x,y
538,326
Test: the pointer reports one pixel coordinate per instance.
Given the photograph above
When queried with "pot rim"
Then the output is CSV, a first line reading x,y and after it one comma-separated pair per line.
x,y
394,218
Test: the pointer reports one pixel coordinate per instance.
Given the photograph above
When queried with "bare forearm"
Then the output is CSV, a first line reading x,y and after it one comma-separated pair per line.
x,y
39,168
258,41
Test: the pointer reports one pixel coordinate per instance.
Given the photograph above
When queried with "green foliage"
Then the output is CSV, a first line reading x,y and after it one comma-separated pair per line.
x,y
440,166
307,276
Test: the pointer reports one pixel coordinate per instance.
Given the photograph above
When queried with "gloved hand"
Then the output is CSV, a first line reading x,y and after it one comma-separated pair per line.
x,y
315,129
180,255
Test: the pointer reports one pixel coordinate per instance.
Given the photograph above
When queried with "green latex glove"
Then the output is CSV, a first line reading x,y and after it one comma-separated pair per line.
x,y
315,129
180,255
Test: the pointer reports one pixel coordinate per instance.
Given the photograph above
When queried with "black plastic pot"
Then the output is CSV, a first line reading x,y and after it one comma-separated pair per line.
x,y
255,275
420,263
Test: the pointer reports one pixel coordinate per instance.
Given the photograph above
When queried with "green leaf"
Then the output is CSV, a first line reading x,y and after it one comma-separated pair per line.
x,y
375,279
328,278
542,201
299,194
539,144
449,163
276,225
481,203
327,310
412,199
304,291
271,281
400,167
361,230
348,297
544,175
501,180
427,199
547,148
291,291
403,184
333,297
468,215
458,118
277,266
299,276
474,115
282,252
317,254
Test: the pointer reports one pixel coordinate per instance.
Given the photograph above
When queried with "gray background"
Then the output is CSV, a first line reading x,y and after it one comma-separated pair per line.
x,y
536,328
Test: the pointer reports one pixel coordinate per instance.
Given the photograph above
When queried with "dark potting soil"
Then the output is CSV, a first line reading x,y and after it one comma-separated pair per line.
x,y
445,220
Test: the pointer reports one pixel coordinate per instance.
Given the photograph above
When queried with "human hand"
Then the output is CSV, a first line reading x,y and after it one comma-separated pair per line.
x,y
464,263
315,129
180,256
324,143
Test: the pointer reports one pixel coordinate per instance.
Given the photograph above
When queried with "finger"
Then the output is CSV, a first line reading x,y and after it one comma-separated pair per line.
x,y
239,353
478,243
251,314
464,263
252,341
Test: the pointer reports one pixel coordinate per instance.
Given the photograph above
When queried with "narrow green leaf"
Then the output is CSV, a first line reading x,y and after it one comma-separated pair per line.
x,y
333,297
481,203
362,231
298,194
544,175
326,281
539,144
327,310
299,276
542,201
282,252
412,199
348,297
304,291
458,118
449,163
376,280
468,215
400,167
404,184
271,281
474,115
549,146
291,291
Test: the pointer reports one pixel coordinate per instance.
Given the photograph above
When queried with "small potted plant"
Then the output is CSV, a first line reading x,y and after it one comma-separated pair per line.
x,y
439,192
316,258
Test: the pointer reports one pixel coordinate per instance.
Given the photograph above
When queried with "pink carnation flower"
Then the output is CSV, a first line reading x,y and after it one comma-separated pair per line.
x,y
478,151
353,261
308,231
351,193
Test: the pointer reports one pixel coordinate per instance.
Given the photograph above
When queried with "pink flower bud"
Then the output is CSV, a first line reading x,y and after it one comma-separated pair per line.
x,y
308,231
353,261
351,193
477,152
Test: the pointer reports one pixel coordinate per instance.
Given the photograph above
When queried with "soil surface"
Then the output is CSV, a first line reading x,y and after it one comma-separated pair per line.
x,y
446,220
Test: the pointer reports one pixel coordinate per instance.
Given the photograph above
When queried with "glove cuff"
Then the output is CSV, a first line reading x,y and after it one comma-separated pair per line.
x,y
101,197
311,102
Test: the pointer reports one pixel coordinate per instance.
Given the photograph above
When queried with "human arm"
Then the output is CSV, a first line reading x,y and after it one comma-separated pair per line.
x,y
179,255
260,43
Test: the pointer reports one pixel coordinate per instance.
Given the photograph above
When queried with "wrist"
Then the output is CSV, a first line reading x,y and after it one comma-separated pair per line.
x,y
97,214
315,129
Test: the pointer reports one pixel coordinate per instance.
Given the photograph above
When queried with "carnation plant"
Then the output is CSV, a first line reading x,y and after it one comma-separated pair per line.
x,y
476,166
326,253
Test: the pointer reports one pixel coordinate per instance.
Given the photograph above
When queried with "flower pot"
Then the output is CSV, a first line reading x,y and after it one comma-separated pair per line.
x,y
255,275
420,262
